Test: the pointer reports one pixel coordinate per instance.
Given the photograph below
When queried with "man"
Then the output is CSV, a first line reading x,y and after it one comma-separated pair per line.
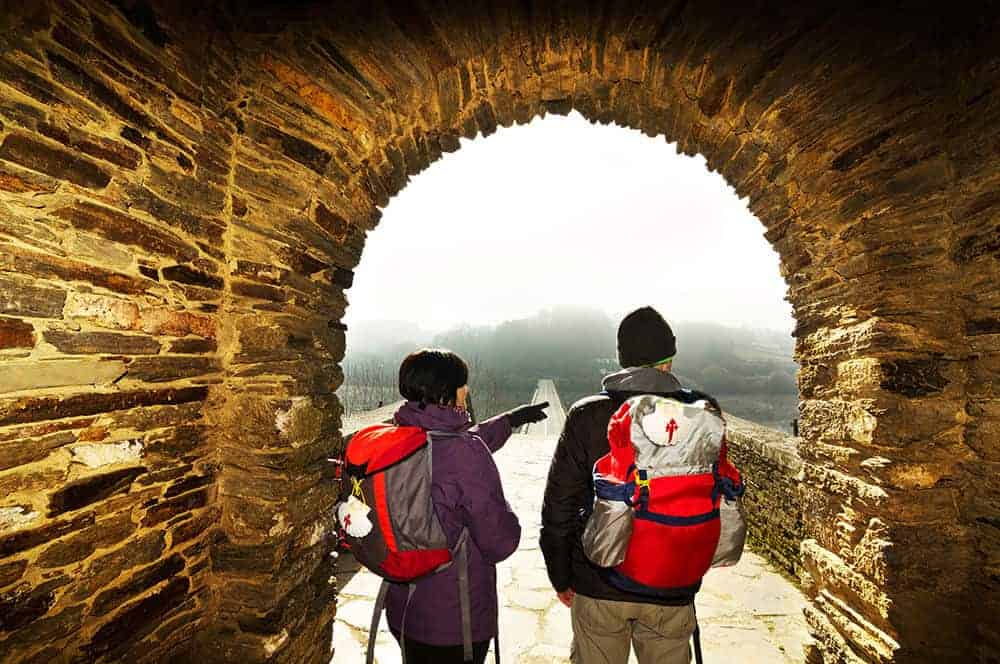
x,y
606,621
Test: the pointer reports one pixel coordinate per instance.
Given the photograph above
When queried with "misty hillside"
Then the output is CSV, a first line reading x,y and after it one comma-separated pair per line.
x,y
385,337
751,371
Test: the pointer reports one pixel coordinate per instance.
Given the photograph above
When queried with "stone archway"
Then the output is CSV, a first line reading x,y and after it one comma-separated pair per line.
x,y
204,184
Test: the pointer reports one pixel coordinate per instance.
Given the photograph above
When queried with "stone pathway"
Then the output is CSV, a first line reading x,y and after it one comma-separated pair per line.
x,y
748,612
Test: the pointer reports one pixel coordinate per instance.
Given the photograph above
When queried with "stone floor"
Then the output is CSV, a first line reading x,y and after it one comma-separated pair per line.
x,y
748,612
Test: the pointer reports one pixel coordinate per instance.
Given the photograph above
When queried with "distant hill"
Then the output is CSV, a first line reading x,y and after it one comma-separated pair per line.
x,y
752,368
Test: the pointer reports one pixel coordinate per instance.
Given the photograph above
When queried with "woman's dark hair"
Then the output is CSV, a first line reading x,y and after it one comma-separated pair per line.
x,y
432,375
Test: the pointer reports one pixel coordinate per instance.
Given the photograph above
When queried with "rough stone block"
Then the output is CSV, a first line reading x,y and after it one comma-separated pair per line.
x,y
21,450
28,82
72,75
12,571
103,310
101,342
57,162
33,375
186,275
17,517
104,569
16,333
178,216
126,229
20,410
914,377
190,193
46,630
142,580
195,527
23,181
96,249
293,147
836,421
176,323
137,619
27,539
83,544
248,558
20,296
167,368
108,150
91,489
834,575
193,346
47,266
98,455
334,224
189,483
171,508
31,481
22,607
259,291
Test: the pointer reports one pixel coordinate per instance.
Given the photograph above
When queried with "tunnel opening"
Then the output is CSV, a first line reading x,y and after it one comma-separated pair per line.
x,y
452,253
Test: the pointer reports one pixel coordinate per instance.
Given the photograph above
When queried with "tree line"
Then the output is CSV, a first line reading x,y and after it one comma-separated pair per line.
x,y
576,347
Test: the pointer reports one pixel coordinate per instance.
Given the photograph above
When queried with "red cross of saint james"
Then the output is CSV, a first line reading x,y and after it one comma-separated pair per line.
x,y
671,428
347,521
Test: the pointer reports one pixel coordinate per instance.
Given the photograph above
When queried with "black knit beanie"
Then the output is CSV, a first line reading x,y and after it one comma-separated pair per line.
x,y
644,338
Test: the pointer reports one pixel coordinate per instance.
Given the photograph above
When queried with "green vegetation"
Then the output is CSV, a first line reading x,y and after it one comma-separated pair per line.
x,y
750,371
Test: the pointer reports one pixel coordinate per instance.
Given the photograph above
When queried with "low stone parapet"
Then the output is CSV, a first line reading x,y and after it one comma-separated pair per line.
x,y
770,463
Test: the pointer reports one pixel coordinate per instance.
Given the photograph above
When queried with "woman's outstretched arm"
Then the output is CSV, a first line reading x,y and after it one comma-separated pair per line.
x,y
494,431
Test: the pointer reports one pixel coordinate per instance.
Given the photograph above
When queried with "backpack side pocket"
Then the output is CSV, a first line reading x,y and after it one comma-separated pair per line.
x,y
733,532
608,532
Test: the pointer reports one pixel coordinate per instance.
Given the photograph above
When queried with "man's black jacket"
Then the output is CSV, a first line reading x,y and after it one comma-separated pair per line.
x,y
569,494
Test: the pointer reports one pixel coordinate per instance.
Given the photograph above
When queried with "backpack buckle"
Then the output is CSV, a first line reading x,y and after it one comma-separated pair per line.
x,y
642,487
357,491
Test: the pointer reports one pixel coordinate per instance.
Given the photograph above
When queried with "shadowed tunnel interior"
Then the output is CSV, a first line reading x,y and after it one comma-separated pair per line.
x,y
184,195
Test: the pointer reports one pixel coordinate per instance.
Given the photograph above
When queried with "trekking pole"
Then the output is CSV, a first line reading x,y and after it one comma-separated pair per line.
x,y
697,637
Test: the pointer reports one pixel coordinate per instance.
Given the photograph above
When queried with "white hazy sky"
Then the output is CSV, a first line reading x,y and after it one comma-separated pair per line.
x,y
560,211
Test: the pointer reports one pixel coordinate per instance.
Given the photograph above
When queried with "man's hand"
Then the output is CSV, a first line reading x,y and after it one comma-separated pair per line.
x,y
566,597
524,414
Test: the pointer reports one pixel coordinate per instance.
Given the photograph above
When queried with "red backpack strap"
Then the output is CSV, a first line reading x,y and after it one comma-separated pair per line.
x,y
379,446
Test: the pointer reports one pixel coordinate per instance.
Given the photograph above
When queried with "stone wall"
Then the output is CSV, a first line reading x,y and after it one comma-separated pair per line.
x,y
185,191
114,197
771,468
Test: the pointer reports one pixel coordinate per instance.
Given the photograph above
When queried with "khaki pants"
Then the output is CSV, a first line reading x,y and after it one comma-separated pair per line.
x,y
603,630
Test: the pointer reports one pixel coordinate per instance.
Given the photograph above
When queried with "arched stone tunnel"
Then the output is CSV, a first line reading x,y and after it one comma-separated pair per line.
x,y
185,192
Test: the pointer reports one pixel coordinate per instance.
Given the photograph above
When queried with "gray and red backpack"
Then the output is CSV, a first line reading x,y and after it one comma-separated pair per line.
x,y
388,518
667,502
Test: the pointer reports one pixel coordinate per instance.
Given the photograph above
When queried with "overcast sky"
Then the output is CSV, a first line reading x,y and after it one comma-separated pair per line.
x,y
560,211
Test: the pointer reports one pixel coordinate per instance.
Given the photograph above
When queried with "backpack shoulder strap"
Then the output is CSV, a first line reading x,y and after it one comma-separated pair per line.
x,y
465,601
617,398
376,618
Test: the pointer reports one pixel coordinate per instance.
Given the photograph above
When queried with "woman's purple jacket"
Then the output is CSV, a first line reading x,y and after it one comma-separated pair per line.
x,y
467,493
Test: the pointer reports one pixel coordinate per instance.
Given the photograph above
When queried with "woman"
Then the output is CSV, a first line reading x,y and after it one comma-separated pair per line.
x,y
467,495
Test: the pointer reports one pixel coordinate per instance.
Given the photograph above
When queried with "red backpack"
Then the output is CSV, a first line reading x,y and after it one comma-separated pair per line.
x,y
389,471
666,507
388,516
